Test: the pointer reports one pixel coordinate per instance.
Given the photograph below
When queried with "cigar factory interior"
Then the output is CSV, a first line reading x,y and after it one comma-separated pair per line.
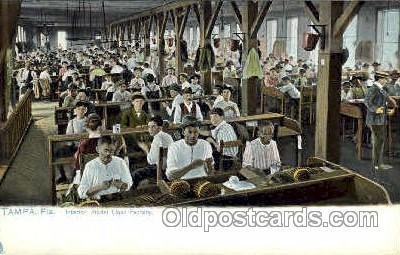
x,y
118,103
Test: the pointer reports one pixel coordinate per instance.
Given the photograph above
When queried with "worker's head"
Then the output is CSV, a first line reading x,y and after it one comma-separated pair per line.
x,y
227,92
183,77
187,95
216,116
80,109
174,90
195,79
190,126
155,125
93,122
105,148
137,72
137,102
266,132
170,71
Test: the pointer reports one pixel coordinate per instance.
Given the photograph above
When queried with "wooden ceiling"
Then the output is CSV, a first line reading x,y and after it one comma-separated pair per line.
x,y
61,13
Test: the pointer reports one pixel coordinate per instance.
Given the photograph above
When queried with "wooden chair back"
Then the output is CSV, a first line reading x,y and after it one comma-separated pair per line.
x,y
231,144
161,165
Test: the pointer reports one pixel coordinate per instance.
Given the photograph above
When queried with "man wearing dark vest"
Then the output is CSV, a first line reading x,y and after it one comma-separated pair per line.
x,y
188,107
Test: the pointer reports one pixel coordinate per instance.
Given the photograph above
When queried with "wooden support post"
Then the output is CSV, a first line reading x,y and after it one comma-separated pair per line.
x,y
161,25
147,28
249,94
9,13
327,129
208,17
347,16
177,17
238,15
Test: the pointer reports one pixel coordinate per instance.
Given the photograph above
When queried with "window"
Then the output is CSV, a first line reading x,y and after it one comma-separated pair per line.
x,y
350,42
227,30
292,37
62,40
388,37
215,31
272,29
43,40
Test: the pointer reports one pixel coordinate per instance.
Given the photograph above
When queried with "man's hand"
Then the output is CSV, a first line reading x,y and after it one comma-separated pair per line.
x,y
380,110
143,146
210,140
197,163
119,184
164,104
106,184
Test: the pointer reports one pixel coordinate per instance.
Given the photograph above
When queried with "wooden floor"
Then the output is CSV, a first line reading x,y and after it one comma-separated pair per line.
x,y
27,182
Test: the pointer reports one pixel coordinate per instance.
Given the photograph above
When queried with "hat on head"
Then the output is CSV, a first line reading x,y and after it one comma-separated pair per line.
x,y
218,111
376,64
149,78
189,121
93,116
137,96
195,76
81,103
136,68
365,65
227,87
187,90
184,75
285,78
175,87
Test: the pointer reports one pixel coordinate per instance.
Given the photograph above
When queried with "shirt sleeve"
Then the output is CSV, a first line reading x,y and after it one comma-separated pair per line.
x,y
172,160
152,156
247,156
85,183
237,110
70,129
125,174
276,152
177,115
199,115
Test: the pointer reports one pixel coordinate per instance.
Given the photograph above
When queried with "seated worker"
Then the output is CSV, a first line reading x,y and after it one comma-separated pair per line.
x,y
393,88
88,146
160,139
196,87
107,83
183,79
69,100
105,174
357,91
82,96
122,95
223,131
77,125
302,79
188,107
137,82
344,91
229,70
293,93
230,108
169,79
151,91
175,93
187,158
135,116
262,152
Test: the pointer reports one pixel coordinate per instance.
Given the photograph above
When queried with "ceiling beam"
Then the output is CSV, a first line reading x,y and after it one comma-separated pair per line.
x,y
214,17
238,15
312,12
182,26
260,18
346,17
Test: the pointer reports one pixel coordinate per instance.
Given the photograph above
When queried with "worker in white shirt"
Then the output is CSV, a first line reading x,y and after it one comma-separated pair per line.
x,y
77,125
189,157
262,153
122,95
106,174
170,78
174,91
184,80
223,132
137,82
188,107
45,81
230,108
160,140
